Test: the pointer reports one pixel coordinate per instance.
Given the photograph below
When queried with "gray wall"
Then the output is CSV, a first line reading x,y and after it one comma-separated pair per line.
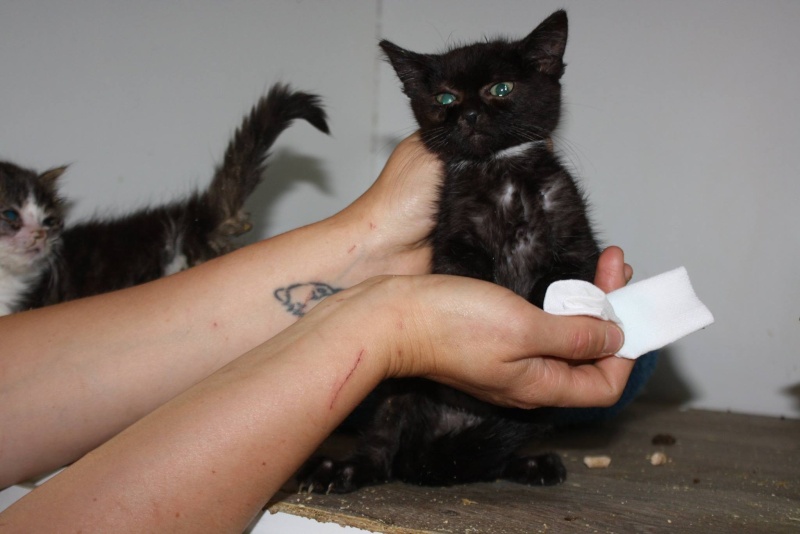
x,y
681,119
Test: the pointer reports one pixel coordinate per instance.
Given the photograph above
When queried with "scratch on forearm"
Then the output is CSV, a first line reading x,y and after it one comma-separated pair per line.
x,y
346,379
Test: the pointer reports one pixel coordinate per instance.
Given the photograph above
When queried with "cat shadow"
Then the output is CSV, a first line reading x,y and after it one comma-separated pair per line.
x,y
285,169
664,390
793,392
667,385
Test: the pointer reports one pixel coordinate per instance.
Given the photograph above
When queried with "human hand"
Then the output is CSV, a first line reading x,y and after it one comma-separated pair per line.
x,y
398,210
491,343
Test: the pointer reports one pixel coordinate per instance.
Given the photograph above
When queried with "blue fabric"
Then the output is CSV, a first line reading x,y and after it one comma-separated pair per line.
x,y
642,371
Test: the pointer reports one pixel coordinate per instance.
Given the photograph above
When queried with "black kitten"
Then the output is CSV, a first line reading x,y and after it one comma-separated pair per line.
x,y
42,263
509,213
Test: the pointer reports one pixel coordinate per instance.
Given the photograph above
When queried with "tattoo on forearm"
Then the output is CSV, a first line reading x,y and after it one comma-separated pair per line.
x,y
299,298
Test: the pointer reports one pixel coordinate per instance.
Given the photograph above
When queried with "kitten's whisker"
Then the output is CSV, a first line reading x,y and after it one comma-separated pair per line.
x,y
436,138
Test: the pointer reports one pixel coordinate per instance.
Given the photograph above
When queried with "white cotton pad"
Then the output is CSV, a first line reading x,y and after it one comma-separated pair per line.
x,y
576,297
653,313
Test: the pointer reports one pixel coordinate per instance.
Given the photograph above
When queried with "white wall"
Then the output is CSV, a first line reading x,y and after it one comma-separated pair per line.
x,y
141,97
681,119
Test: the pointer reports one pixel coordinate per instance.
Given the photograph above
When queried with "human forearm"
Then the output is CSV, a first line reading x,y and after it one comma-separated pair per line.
x,y
211,457
111,359
151,342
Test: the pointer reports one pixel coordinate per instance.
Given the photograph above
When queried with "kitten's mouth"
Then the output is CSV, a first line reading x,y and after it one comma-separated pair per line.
x,y
470,130
478,142
35,251
474,136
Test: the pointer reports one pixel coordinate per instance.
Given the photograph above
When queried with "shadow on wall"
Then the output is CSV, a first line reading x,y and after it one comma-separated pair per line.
x,y
284,169
667,384
794,393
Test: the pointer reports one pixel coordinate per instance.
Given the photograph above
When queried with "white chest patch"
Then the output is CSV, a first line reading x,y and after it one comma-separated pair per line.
x,y
13,287
549,197
177,265
517,150
507,196
10,289
174,249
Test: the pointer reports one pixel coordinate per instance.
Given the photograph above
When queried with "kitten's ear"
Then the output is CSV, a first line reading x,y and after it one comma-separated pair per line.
x,y
546,44
49,177
409,66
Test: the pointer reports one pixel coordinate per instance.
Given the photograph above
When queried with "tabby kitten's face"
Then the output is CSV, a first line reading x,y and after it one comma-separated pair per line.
x,y
31,217
478,100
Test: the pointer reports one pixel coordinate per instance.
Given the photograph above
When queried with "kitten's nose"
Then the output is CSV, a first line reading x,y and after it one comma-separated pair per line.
x,y
471,117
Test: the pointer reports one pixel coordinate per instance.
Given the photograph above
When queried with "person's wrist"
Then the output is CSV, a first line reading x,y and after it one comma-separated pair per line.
x,y
374,244
393,218
411,335
378,306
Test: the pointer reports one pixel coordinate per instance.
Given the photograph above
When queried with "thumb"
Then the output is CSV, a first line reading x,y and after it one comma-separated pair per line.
x,y
578,338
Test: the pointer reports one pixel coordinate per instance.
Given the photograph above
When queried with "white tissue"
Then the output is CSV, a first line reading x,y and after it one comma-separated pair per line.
x,y
576,297
652,313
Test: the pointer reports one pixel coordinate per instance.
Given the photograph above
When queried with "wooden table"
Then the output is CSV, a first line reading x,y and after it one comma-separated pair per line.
x,y
725,473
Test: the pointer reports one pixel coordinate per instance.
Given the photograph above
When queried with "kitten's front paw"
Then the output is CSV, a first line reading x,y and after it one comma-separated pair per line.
x,y
541,470
324,475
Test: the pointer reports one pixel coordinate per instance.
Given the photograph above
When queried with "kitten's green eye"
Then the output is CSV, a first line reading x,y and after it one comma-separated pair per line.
x,y
445,99
501,89
49,221
11,215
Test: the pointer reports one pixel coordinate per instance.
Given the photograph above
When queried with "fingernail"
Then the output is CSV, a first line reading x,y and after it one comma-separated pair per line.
x,y
614,339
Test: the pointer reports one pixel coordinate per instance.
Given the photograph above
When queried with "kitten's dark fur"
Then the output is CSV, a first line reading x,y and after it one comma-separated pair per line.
x,y
509,213
41,263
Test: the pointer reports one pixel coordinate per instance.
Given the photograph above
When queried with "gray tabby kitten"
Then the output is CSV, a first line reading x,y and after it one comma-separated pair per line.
x,y
42,262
